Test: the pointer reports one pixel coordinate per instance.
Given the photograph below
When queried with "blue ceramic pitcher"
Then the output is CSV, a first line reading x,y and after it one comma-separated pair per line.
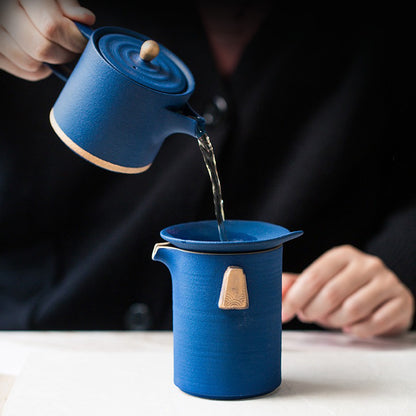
x,y
227,298
125,95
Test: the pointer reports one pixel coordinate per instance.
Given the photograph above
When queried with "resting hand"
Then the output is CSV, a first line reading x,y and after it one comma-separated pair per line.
x,y
348,289
36,31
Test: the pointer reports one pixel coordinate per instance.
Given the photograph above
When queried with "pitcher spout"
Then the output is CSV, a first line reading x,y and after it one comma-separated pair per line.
x,y
161,252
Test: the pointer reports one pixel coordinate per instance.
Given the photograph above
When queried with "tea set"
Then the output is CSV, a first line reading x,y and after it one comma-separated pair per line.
x,y
124,97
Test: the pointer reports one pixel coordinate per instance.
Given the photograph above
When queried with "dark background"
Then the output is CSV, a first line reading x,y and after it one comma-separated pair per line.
x,y
317,136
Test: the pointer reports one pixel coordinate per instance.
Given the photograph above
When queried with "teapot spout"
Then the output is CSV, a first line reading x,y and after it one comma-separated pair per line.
x,y
187,121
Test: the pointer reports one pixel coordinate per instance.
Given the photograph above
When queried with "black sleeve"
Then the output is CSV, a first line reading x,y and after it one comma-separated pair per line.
x,y
395,242
396,245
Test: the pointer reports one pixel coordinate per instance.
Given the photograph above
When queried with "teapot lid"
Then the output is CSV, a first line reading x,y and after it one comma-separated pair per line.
x,y
162,72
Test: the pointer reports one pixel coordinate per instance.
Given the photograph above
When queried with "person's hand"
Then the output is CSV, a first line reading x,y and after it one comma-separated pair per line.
x,y
348,289
36,31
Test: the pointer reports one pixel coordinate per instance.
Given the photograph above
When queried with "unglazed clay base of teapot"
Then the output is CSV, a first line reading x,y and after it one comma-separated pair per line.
x,y
125,95
227,298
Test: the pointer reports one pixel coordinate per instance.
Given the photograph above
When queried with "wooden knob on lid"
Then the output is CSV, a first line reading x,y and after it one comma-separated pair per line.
x,y
149,50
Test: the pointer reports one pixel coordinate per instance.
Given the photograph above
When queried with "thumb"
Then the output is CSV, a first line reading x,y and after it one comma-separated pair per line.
x,y
287,281
74,11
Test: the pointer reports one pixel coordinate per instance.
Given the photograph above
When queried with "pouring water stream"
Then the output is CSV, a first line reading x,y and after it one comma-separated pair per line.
x,y
209,158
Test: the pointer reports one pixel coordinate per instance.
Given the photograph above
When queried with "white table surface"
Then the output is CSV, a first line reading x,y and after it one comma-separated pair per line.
x,y
130,373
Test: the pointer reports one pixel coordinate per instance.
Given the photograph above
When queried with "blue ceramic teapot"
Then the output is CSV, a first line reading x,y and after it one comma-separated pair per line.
x,y
227,299
125,95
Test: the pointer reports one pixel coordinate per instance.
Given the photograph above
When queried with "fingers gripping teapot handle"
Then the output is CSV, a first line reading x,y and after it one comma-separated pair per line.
x,y
63,71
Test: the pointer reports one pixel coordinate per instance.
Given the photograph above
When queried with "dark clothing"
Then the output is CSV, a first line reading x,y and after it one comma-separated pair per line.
x,y
316,136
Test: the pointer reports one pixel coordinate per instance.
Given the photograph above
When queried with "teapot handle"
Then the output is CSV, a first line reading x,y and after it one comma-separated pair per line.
x,y
63,71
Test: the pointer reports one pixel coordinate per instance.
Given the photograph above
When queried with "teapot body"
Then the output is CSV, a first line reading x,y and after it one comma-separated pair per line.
x,y
109,118
225,353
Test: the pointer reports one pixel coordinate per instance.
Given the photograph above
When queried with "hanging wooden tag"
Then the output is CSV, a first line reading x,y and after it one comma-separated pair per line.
x,y
234,289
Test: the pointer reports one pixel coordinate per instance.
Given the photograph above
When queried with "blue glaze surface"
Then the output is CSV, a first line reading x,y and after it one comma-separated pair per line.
x,y
124,118
225,354
242,236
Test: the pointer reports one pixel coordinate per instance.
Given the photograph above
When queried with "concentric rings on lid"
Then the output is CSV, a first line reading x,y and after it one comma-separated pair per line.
x,y
123,53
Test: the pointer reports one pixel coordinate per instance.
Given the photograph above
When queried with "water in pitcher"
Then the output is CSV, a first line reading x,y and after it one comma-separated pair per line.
x,y
211,164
